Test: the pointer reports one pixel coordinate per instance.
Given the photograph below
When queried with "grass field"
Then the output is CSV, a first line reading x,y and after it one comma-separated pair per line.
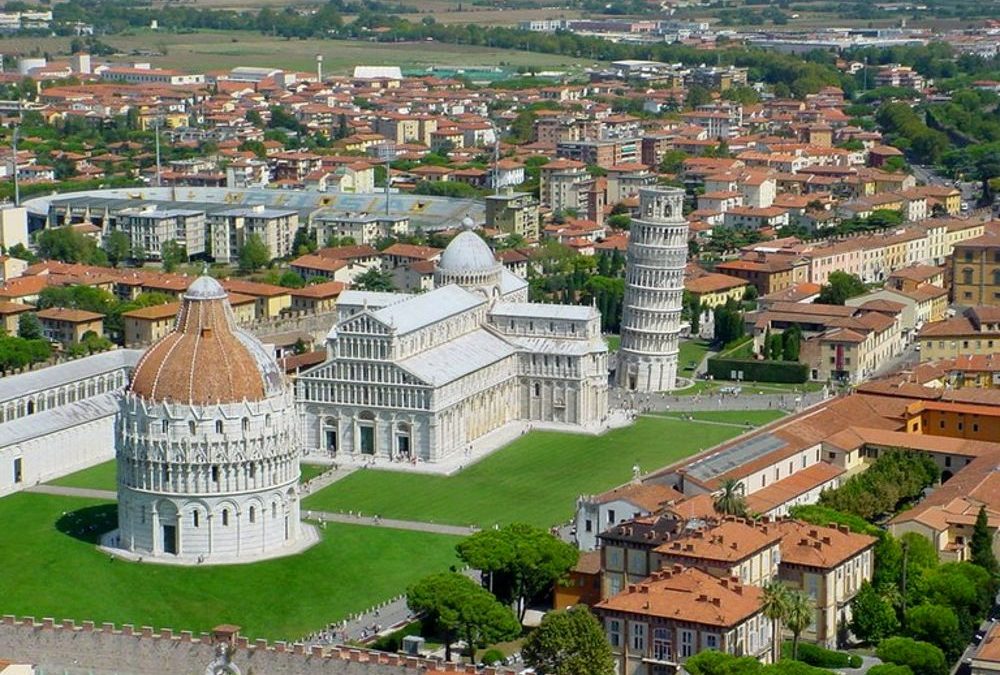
x,y
49,571
754,417
691,351
310,471
213,50
536,479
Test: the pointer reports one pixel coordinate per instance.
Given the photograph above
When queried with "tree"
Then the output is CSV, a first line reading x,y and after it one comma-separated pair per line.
x,y
68,245
730,498
569,642
374,280
982,543
520,559
172,254
800,612
774,605
254,254
791,341
889,669
937,625
460,608
922,658
117,246
28,326
872,618
712,662
839,287
290,279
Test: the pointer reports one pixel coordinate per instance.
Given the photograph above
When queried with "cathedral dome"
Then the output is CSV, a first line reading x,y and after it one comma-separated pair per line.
x,y
206,359
467,253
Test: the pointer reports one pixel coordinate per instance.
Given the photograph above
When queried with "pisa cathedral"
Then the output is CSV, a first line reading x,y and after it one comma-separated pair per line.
x,y
420,377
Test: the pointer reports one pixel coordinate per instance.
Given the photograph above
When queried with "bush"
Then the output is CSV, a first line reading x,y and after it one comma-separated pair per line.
x,y
824,515
922,658
759,371
889,669
393,642
492,656
789,667
814,655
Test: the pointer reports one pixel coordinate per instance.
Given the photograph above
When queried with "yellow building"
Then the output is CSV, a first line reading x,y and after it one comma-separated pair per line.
x,y
270,300
714,290
146,325
68,326
317,297
977,331
10,315
975,267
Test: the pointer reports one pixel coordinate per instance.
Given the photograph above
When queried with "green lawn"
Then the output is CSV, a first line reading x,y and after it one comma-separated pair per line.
x,y
98,477
754,417
536,479
310,471
712,386
49,573
691,351
614,342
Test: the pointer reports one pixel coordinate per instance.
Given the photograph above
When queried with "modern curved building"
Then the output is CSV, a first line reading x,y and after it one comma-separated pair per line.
x,y
420,377
654,290
206,443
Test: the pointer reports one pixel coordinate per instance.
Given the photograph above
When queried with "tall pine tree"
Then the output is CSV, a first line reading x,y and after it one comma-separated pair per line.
x,y
982,544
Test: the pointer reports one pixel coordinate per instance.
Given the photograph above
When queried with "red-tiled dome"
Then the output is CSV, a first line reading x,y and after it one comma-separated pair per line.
x,y
206,359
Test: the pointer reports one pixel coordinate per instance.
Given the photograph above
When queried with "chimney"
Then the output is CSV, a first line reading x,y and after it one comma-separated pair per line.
x,y
826,540
702,598
717,602
724,582
843,529
644,589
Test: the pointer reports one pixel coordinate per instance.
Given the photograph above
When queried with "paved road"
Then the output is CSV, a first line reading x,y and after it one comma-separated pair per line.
x,y
375,521
72,491
747,400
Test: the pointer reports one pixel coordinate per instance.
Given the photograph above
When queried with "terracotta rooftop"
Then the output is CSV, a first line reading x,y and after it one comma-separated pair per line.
x,y
205,359
788,488
710,283
820,547
687,594
649,496
67,314
731,541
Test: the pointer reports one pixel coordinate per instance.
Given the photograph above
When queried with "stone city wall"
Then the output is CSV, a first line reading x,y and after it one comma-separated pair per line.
x,y
102,650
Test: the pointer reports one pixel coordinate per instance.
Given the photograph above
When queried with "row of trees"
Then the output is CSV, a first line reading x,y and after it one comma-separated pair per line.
x,y
784,346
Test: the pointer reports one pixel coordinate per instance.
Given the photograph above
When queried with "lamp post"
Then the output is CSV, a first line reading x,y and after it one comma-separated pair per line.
x,y
17,186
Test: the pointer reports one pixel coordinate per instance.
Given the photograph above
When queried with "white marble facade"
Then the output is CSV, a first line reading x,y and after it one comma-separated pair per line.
x,y
654,289
423,376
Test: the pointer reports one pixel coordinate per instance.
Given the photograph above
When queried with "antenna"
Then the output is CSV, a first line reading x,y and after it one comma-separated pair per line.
x,y
156,128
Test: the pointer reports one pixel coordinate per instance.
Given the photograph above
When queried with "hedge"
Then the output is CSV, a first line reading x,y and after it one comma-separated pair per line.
x,y
790,372
814,655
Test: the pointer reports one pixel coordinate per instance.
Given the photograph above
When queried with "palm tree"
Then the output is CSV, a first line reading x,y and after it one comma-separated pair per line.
x,y
800,613
774,604
730,499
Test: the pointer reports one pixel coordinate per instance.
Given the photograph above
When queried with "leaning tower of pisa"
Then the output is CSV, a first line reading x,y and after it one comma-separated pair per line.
x,y
654,286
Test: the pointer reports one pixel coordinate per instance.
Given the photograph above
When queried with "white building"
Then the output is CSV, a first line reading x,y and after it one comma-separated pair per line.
x,y
423,376
654,286
230,230
207,444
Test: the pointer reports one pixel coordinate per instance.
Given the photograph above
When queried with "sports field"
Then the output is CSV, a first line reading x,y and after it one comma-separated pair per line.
x,y
535,479
53,569
216,50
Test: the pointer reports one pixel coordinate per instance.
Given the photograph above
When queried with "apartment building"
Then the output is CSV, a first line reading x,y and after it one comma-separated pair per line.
x,y
603,153
656,625
975,269
731,549
149,227
976,331
566,186
68,326
232,228
513,213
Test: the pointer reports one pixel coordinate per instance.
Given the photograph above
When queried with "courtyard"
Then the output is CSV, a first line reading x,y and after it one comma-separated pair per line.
x,y
535,479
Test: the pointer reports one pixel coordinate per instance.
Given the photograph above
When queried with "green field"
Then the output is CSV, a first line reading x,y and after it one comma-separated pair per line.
x,y
535,479
214,50
98,477
309,471
754,417
52,569
691,351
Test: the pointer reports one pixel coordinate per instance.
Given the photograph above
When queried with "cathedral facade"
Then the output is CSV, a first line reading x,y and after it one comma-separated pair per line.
x,y
207,444
420,377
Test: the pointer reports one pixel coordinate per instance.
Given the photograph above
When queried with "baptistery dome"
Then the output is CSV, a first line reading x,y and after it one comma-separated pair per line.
x,y
207,445
206,358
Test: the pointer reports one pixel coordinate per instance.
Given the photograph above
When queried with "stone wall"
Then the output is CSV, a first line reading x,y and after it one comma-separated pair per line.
x,y
66,647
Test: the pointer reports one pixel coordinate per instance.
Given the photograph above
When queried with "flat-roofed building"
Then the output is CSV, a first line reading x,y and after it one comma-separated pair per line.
x,y
231,229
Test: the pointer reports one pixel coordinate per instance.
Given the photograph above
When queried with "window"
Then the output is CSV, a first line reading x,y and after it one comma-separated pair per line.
x,y
639,637
611,516
975,427
538,389
687,643
267,420
615,632
225,517
194,518
947,460
218,426
588,525
253,514
711,641
215,474
274,509
246,424
192,427
941,423
164,426
661,644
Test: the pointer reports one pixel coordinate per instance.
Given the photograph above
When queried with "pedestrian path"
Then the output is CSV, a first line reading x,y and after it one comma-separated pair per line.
x,y
377,521
72,491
